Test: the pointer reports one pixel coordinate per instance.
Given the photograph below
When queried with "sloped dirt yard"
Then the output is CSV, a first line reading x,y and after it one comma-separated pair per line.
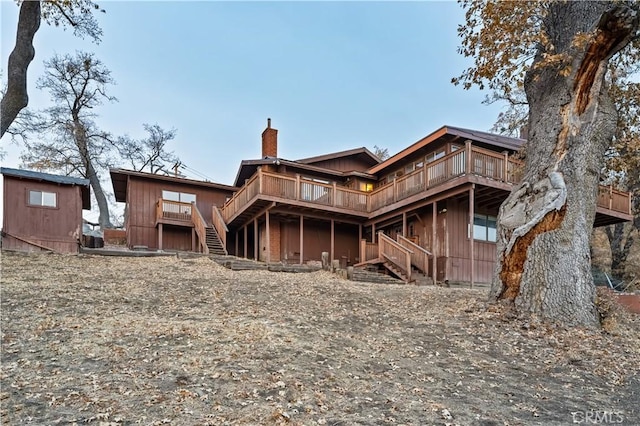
x,y
113,340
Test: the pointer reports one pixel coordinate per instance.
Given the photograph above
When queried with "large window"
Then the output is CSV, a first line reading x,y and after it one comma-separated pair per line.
x,y
484,227
43,199
182,197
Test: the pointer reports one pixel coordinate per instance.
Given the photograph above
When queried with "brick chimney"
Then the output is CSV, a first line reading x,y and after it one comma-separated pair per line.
x,y
269,141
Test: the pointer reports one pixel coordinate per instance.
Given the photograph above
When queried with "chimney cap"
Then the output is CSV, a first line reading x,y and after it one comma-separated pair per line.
x,y
268,123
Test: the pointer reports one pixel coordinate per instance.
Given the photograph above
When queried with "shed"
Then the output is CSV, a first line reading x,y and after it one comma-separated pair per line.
x,y
43,211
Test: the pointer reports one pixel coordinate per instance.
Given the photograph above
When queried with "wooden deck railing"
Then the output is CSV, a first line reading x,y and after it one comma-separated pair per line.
x,y
200,226
220,226
419,256
166,209
395,253
368,251
613,199
471,160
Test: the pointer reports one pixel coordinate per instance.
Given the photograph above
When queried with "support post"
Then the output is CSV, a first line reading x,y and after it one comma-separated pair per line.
x,y
237,244
255,239
471,245
246,241
373,233
301,238
193,239
505,170
160,236
434,244
361,255
404,224
332,239
268,237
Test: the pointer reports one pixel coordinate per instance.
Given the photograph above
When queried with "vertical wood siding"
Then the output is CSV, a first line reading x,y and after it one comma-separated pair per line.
x,y
56,228
142,195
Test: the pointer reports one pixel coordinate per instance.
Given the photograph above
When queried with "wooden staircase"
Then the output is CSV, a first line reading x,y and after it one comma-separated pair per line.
x,y
213,242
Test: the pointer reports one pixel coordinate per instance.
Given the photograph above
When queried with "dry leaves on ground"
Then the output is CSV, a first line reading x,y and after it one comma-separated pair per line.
x,y
115,340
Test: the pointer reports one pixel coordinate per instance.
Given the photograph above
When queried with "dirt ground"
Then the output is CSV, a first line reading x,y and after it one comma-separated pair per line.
x,y
183,341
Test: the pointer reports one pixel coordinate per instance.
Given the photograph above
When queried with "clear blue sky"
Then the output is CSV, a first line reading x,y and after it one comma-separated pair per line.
x,y
331,75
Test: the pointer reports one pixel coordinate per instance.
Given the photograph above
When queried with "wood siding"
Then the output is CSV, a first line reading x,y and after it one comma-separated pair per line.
x,y
344,164
142,195
57,228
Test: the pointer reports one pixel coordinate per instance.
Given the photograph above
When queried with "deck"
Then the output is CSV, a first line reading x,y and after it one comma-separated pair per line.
x,y
472,164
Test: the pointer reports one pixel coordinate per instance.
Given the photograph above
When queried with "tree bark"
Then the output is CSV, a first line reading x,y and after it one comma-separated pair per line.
x,y
80,136
544,264
16,98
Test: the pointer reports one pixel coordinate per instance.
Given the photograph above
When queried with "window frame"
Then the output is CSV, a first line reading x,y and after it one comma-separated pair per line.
x,y
485,228
42,198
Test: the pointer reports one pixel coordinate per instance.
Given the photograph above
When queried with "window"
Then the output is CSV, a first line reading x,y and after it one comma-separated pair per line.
x,y
433,156
366,186
484,227
42,198
181,197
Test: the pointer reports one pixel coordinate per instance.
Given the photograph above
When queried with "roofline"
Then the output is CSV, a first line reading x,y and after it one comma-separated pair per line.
x,y
334,155
84,184
33,175
476,135
187,181
273,160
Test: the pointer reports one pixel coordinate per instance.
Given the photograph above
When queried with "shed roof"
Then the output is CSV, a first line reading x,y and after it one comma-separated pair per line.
x,y
47,177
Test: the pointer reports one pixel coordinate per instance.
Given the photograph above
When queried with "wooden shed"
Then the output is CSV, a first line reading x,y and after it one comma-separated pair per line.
x,y
43,212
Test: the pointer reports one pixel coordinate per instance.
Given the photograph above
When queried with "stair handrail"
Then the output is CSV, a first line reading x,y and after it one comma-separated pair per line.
x,y
403,264
420,255
220,226
200,226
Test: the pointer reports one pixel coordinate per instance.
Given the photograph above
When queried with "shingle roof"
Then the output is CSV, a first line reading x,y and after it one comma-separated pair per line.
x,y
47,177
33,175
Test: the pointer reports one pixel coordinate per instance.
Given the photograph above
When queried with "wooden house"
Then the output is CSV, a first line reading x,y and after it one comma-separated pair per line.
x,y
429,210
170,213
43,211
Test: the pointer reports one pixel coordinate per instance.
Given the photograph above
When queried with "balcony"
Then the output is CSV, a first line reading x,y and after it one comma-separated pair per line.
x,y
477,165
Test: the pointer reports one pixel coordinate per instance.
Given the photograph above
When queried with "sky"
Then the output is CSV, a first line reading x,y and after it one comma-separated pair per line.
x,y
331,76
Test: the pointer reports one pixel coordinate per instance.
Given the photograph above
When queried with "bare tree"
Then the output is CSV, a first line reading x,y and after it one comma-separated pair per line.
x,y
381,153
149,154
77,14
69,139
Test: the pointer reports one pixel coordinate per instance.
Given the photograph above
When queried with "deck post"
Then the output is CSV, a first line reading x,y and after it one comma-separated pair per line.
x,y
301,237
193,239
297,186
333,195
360,259
468,162
505,169
246,240
255,239
373,233
471,239
268,237
160,236
237,246
404,224
434,236
610,197
332,239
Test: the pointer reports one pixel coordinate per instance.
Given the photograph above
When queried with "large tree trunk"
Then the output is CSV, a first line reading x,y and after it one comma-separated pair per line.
x,y
545,223
80,136
16,98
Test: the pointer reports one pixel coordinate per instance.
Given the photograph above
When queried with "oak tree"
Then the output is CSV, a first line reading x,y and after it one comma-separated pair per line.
x,y
77,14
68,139
560,51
